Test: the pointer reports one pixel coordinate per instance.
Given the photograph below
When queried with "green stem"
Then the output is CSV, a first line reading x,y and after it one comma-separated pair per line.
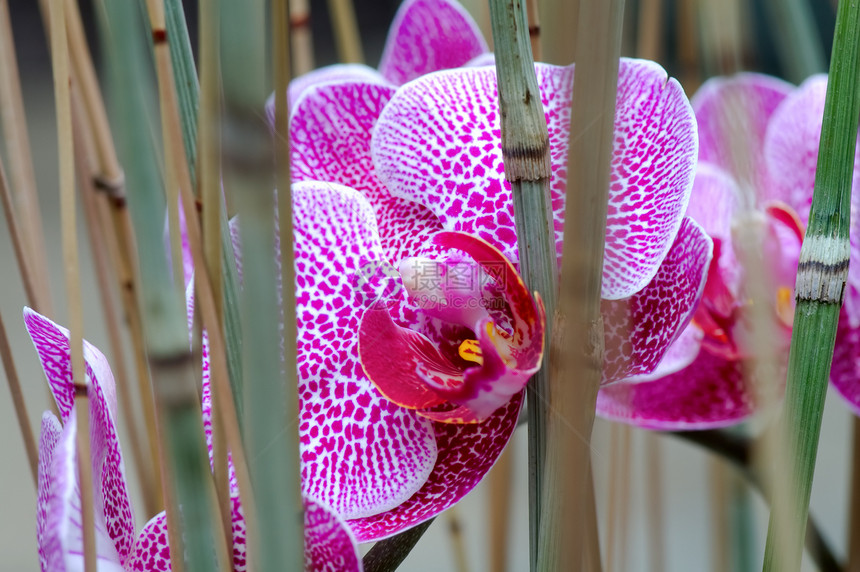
x,y
188,92
821,277
271,433
525,148
386,555
163,309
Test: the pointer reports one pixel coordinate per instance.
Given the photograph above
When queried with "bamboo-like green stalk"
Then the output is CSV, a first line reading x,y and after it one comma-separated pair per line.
x,y
821,276
271,431
576,357
165,328
798,42
188,91
525,150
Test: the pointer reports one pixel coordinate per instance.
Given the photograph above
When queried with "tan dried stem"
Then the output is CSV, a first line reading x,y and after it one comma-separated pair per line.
x,y
84,168
533,14
180,178
301,36
109,180
23,179
68,216
650,32
18,402
209,183
18,247
558,33
346,36
499,481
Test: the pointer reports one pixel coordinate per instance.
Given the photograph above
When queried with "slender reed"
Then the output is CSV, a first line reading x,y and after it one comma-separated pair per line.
x,y
15,234
22,176
302,45
654,500
109,180
499,514
271,432
18,402
576,357
650,30
168,350
558,33
84,165
346,35
853,564
525,150
822,272
68,221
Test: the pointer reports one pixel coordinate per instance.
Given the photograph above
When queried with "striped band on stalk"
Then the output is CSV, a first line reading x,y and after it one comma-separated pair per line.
x,y
823,269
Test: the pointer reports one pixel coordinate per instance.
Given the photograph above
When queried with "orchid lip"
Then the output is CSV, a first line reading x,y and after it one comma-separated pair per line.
x,y
481,373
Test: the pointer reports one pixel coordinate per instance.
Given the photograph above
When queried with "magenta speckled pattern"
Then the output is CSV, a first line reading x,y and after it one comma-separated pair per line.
x,y
466,453
437,143
50,551
151,550
361,454
62,541
330,74
429,35
733,110
639,330
52,345
330,141
329,544
710,393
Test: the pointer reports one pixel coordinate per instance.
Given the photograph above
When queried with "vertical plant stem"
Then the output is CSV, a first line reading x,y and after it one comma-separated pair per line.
x,y
656,516
576,356
525,150
98,247
169,354
650,31
854,513
68,219
558,33
500,509
822,272
18,402
301,36
271,431
346,36
533,13
109,179
28,279
23,179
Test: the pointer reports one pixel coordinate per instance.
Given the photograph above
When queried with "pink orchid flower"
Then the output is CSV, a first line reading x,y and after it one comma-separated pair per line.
x,y
329,545
765,186
413,175
425,36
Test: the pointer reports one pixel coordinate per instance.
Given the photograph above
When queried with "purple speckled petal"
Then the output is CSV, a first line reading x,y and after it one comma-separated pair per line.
x,y
427,36
52,346
466,453
151,552
329,74
437,143
61,540
330,141
715,200
329,543
845,370
683,351
50,549
733,115
361,454
639,330
710,393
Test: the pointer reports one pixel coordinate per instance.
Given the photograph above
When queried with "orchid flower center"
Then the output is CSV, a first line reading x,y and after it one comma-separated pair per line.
x,y
480,342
